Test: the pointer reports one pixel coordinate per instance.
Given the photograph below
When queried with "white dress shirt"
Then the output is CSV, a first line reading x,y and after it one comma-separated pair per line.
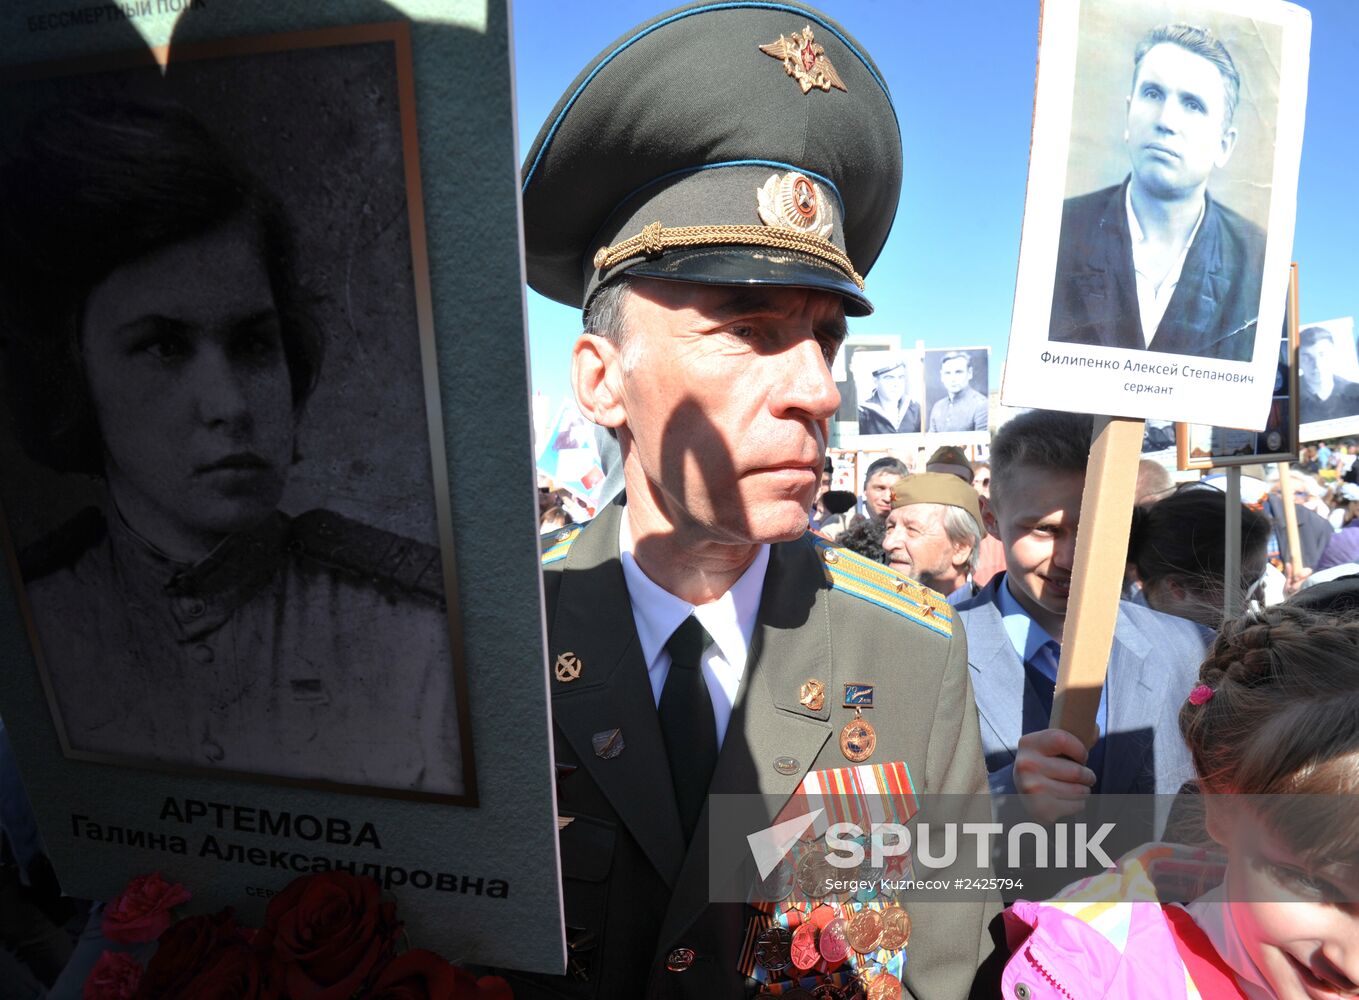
x,y
1152,298
730,620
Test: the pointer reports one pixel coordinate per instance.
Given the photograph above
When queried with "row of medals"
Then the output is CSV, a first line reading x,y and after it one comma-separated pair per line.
x,y
832,930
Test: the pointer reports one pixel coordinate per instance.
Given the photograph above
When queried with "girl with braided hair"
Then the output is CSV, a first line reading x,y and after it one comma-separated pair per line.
x,y
1273,911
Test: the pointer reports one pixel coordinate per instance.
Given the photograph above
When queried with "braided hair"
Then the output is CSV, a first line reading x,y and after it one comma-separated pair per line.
x,y
1282,723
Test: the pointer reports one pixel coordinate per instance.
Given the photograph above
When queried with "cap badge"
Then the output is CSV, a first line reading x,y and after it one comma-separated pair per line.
x,y
805,61
794,201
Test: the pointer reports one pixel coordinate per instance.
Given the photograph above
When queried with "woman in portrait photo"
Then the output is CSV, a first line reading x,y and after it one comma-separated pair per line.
x,y
161,344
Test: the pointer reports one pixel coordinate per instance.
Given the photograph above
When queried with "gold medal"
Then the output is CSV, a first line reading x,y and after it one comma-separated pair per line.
x,y
858,739
812,694
884,986
896,928
864,931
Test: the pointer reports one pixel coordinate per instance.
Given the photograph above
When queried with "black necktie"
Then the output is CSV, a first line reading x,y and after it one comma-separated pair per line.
x,y
687,725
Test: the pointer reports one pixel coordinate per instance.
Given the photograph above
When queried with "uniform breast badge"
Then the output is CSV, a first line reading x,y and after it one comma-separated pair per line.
x,y
608,744
805,61
812,694
858,739
567,668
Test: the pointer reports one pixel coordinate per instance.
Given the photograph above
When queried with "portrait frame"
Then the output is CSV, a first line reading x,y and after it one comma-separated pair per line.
x,y
859,373
128,79
844,423
1346,369
1194,445
935,392
1204,365
464,888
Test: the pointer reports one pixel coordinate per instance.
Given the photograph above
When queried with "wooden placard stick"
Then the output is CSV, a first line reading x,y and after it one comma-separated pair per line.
x,y
1290,513
1097,575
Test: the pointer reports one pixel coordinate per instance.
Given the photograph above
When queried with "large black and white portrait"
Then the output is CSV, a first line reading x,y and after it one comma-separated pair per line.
x,y
1328,379
956,390
1161,205
217,443
1168,183
888,390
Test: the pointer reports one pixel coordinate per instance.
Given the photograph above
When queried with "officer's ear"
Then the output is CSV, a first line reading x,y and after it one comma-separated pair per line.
x,y
596,376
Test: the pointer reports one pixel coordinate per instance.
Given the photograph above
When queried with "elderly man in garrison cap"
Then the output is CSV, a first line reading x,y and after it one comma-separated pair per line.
x,y
934,532
710,190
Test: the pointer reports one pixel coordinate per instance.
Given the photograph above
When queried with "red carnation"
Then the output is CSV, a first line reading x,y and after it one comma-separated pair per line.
x,y
114,977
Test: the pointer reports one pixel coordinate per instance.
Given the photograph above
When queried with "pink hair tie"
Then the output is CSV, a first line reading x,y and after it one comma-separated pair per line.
x,y
1201,694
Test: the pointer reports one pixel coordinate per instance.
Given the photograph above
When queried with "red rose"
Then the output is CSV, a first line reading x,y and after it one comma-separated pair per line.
x,y
328,933
233,972
205,957
416,975
423,975
141,912
114,977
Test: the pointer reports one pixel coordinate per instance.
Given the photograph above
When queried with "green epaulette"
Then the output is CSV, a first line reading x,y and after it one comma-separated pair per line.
x,y
360,550
556,544
877,584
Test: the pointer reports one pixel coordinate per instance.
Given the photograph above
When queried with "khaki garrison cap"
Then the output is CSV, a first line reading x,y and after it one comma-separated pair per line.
x,y
727,143
937,487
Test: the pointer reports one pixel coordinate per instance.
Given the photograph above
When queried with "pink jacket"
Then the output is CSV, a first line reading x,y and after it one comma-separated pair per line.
x,y
1108,936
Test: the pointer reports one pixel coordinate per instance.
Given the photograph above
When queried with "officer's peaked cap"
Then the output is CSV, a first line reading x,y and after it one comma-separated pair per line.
x,y
728,143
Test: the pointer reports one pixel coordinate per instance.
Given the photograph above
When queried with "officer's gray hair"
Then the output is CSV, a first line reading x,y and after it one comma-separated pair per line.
x,y
962,530
607,314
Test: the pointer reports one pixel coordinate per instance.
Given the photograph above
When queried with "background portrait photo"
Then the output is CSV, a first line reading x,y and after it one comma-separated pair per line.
x,y
1161,206
1328,379
957,391
848,412
888,390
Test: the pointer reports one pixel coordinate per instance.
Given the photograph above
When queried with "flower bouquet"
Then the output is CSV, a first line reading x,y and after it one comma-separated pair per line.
x,y
327,936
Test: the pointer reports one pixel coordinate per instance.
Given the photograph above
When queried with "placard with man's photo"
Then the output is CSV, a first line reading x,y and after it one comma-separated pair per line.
x,y
889,397
1328,379
957,393
1160,211
845,383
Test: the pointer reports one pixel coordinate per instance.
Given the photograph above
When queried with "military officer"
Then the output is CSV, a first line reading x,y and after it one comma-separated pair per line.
x,y
710,190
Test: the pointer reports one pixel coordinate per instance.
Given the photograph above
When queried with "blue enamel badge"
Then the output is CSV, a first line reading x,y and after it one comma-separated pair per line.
x,y
858,696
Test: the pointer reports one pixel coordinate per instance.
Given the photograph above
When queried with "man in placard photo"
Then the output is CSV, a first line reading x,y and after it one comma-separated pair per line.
x,y
963,408
1322,393
1157,263
890,408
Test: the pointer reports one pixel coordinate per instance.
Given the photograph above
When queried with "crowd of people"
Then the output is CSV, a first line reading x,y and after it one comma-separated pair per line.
x,y
1207,676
